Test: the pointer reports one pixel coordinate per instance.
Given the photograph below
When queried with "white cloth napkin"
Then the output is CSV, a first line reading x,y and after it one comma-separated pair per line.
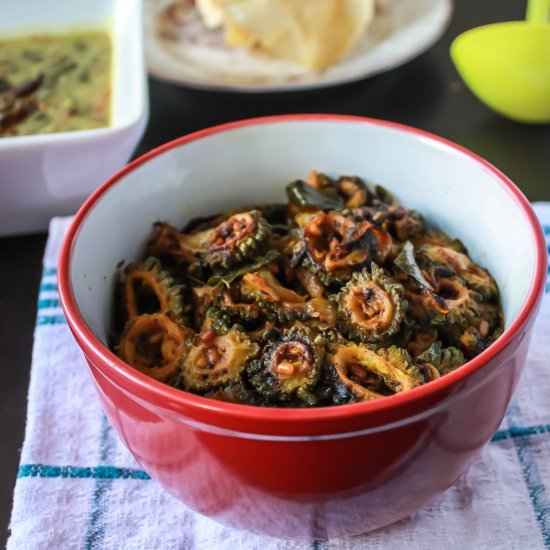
x,y
78,486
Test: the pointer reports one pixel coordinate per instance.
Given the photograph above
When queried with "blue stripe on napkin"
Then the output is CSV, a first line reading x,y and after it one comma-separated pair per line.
x,y
100,496
513,433
51,320
531,475
46,287
80,472
49,303
49,307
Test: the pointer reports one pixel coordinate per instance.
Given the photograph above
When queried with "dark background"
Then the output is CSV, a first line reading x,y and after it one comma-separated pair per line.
x,y
425,92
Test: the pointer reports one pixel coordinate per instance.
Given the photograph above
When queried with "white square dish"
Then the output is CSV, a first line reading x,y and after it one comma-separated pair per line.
x,y
45,175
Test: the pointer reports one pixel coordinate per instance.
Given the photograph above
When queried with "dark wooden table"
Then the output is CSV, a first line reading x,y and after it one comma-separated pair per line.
x,y
425,92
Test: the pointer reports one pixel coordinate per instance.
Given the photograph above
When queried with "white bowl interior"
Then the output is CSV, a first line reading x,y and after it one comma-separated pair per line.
x,y
253,163
121,18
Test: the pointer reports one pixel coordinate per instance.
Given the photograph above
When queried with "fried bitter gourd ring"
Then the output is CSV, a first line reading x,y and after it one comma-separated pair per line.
x,y
240,312
286,304
149,289
336,244
154,344
388,370
451,299
444,360
289,367
371,306
472,274
431,237
165,244
352,189
214,361
236,239
452,303
404,223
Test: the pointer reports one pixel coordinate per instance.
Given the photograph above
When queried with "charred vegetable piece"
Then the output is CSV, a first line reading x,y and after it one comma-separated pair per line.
x,y
150,289
219,322
321,312
266,332
214,361
227,313
429,372
472,342
311,282
421,340
335,245
240,237
165,245
319,181
354,191
456,296
401,223
474,276
443,359
203,299
286,304
289,367
235,393
437,238
451,305
472,327
371,306
275,213
242,311
404,224
264,287
487,319
367,374
451,359
155,345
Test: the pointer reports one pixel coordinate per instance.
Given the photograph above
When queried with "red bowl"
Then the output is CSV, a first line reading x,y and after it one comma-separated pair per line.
x,y
322,472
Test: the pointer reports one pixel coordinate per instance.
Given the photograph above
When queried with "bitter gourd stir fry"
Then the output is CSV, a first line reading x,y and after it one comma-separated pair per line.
x,y
339,296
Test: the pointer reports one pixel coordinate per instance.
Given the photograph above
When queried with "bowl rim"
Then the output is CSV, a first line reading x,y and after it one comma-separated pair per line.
x,y
168,398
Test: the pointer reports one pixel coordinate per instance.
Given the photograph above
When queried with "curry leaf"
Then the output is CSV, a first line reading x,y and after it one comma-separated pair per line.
x,y
406,262
243,270
302,195
383,194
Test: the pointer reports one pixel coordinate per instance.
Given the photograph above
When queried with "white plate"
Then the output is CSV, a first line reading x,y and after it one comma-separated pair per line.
x,y
180,50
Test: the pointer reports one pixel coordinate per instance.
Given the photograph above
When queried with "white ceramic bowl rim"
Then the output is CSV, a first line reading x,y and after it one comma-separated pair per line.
x,y
176,400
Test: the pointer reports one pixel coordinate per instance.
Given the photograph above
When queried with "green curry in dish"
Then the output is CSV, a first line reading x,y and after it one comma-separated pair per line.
x,y
340,295
55,83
